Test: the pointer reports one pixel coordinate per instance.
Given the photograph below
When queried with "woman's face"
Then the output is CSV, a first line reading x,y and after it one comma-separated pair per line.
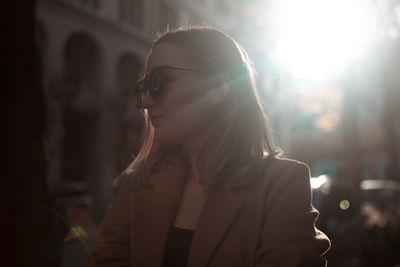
x,y
181,111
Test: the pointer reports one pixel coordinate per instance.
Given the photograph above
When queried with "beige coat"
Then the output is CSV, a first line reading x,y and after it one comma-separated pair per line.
x,y
265,220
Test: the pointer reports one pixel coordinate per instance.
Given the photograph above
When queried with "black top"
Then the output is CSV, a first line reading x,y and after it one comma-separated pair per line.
x,y
178,246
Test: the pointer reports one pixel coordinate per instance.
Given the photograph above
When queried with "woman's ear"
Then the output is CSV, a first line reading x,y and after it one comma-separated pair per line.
x,y
220,89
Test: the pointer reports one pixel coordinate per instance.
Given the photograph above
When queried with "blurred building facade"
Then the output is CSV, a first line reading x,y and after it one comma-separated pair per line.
x,y
88,52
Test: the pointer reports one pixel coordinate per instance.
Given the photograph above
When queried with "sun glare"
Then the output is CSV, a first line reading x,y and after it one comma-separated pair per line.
x,y
318,38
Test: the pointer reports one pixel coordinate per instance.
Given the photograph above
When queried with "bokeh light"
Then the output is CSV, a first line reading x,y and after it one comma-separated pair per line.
x,y
344,204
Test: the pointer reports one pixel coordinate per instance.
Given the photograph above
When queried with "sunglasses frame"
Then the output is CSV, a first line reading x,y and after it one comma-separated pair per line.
x,y
149,84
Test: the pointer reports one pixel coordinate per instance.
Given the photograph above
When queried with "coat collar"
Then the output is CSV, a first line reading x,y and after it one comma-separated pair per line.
x,y
154,210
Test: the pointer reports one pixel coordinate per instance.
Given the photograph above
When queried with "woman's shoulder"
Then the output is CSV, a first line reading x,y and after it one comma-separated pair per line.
x,y
286,183
270,170
281,164
282,170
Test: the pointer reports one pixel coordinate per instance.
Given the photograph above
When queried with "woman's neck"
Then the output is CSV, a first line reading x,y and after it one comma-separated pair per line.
x,y
193,150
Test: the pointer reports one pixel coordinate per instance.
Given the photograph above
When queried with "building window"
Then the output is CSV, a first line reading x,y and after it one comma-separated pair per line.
x,y
82,59
131,12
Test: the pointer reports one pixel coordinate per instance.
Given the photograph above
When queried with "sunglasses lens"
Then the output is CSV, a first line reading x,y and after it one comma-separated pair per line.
x,y
156,83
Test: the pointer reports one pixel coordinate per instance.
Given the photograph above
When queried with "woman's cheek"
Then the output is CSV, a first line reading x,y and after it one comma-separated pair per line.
x,y
177,129
169,129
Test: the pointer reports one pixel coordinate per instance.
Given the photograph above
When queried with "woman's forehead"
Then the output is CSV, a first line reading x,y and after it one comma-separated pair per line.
x,y
168,54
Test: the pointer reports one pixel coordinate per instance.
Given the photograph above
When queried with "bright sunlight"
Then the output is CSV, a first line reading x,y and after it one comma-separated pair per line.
x,y
316,39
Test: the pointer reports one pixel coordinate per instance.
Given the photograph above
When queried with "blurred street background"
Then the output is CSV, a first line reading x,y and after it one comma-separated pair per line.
x,y
328,71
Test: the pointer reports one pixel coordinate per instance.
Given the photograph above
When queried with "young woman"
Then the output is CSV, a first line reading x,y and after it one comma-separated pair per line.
x,y
207,187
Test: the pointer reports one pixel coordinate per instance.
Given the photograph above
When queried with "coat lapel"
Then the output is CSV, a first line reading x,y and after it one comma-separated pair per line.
x,y
220,209
153,213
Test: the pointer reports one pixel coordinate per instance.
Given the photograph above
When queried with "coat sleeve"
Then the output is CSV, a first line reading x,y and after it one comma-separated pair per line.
x,y
289,237
111,247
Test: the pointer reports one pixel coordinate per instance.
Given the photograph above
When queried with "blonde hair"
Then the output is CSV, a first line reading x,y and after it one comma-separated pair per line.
x,y
240,136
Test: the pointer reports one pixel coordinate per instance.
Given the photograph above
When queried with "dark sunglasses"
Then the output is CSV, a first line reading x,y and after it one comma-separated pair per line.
x,y
154,83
